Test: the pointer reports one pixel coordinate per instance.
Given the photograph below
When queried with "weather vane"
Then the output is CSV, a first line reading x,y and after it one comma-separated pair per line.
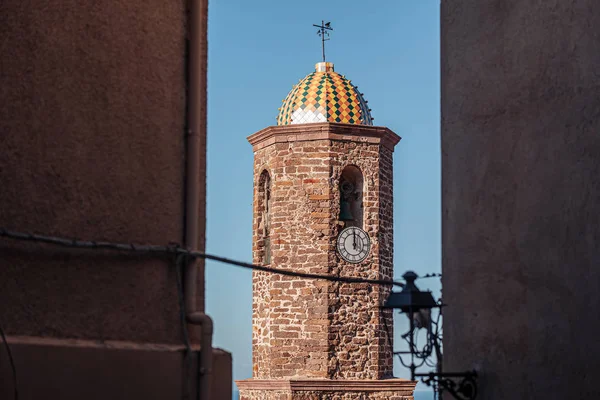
x,y
322,32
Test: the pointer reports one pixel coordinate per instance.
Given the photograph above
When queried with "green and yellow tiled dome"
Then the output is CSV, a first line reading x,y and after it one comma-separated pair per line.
x,y
324,96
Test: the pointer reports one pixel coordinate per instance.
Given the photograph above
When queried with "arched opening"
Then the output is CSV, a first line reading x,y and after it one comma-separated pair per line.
x,y
351,197
263,215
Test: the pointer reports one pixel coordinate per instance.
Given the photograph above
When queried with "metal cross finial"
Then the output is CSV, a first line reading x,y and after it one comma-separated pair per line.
x,y
322,32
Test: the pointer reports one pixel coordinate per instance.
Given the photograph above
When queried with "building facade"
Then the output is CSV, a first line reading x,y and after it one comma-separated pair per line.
x,y
93,128
521,198
323,205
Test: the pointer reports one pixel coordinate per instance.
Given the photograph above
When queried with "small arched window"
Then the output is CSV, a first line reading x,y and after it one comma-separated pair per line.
x,y
351,196
264,217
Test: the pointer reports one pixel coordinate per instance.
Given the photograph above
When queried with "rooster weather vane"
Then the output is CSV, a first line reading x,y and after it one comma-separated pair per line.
x,y
323,32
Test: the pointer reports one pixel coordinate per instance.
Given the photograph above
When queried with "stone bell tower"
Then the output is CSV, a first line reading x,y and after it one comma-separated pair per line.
x,y
323,204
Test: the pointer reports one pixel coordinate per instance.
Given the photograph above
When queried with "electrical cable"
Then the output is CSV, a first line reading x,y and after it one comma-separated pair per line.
x,y
12,363
175,249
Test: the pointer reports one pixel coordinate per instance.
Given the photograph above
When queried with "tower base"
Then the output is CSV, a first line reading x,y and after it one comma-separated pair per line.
x,y
326,389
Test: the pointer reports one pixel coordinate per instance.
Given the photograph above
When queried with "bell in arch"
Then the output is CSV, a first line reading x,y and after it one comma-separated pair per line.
x,y
347,190
345,211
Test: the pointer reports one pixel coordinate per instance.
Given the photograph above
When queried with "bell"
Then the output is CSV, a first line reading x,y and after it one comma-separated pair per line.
x,y
345,213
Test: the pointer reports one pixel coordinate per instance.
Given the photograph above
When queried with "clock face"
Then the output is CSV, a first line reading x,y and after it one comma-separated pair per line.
x,y
353,244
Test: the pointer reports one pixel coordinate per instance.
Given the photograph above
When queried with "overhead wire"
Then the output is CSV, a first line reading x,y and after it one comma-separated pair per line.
x,y
176,249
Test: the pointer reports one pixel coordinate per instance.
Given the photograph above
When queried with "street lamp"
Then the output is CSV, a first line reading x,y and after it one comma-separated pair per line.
x,y
417,305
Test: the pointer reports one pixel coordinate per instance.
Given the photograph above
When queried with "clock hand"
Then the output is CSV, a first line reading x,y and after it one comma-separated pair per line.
x,y
354,239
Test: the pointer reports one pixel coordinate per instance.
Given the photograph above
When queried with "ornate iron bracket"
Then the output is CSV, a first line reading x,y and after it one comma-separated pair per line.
x,y
462,386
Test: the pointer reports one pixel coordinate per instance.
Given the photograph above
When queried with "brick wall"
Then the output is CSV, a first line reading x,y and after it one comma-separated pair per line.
x,y
313,328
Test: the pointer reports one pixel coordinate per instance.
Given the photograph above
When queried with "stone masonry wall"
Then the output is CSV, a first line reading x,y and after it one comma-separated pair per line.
x,y
386,256
290,314
357,335
317,328
265,395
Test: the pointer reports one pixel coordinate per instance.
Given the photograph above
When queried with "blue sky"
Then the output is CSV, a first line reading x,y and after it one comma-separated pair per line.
x,y
257,51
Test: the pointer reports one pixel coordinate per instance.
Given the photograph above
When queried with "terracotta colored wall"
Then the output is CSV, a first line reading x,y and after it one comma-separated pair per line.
x,y
521,195
79,369
93,146
92,126
315,328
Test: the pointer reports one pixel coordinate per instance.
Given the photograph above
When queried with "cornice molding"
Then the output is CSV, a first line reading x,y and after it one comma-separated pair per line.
x,y
405,386
324,131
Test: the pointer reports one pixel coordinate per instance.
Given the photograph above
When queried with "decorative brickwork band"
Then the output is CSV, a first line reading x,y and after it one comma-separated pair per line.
x,y
306,389
332,131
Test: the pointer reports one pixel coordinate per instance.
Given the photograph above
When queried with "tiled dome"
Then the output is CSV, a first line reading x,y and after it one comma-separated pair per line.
x,y
324,96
